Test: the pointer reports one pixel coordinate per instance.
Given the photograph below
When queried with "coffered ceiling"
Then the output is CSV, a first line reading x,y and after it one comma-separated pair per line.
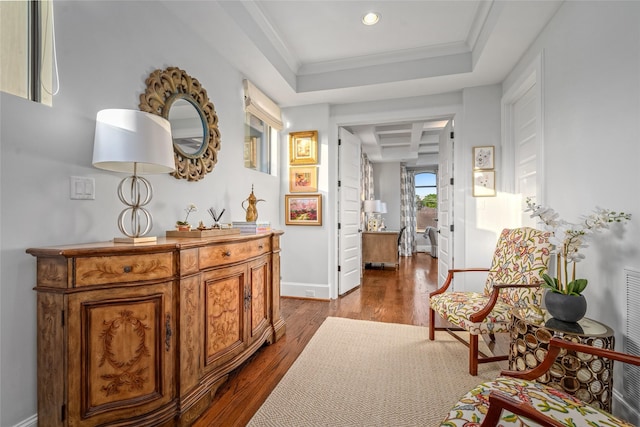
x,y
303,52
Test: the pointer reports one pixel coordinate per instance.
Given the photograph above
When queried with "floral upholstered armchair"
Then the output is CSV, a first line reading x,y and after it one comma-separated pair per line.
x,y
519,260
516,399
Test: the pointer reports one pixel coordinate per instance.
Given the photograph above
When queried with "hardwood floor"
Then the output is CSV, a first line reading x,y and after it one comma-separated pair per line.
x,y
385,295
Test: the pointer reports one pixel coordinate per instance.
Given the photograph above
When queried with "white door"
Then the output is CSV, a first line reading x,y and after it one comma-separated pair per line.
x,y
445,203
349,241
523,139
526,148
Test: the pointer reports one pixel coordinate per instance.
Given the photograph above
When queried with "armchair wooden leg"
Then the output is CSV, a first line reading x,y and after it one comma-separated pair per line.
x,y
473,355
432,324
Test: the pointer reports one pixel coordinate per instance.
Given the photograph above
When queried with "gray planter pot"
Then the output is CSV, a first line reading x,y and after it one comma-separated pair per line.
x,y
568,308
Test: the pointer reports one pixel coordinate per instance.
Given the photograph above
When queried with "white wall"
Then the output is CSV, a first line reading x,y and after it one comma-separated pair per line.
x,y
386,181
591,84
484,217
307,250
105,52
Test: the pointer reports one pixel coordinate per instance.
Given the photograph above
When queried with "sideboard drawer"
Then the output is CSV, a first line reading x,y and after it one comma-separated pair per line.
x,y
228,253
120,269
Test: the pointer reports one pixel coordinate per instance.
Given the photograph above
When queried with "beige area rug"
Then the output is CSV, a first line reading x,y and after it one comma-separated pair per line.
x,y
362,373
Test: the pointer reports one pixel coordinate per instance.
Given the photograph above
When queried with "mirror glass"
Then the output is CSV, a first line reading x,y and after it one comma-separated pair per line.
x,y
187,127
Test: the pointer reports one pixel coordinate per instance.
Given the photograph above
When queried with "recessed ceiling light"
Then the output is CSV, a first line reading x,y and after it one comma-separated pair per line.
x,y
370,18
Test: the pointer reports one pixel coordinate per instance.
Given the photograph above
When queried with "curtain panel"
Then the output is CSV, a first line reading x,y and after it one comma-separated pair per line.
x,y
366,185
407,211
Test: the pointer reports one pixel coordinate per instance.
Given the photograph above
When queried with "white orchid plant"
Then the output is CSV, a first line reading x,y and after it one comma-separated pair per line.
x,y
568,239
190,208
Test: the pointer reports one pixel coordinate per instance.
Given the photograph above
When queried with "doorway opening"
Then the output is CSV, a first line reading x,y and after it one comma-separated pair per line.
x,y
426,187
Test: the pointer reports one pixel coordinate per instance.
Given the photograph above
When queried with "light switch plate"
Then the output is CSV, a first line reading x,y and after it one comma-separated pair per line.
x,y
82,188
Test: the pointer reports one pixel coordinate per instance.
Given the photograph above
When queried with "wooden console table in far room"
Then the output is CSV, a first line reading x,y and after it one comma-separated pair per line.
x,y
587,377
380,247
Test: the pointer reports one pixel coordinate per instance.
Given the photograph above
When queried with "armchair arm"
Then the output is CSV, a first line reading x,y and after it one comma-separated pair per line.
x,y
556,344
447,282
499,401
479,316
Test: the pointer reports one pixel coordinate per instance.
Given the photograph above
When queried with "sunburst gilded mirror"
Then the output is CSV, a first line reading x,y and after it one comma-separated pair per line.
x,y
179,98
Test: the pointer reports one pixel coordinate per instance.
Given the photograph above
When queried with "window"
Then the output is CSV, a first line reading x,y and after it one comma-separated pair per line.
x,y
260,145
263,121
426,200
26,49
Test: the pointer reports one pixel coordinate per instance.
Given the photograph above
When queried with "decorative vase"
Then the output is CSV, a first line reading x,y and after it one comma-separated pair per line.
x,y
568,308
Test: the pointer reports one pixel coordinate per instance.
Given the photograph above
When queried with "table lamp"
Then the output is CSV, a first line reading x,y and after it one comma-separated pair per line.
x,y
139,143
370,207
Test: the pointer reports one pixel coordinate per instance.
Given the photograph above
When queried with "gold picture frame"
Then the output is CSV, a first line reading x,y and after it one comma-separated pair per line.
x,y
303,210
303,147
483,157
303,179
484,183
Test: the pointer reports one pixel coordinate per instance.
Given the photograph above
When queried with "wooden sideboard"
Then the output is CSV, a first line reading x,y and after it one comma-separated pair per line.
x,y
145,334
380,247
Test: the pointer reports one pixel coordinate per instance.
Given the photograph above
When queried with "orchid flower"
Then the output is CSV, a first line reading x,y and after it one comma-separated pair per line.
x,y
568,239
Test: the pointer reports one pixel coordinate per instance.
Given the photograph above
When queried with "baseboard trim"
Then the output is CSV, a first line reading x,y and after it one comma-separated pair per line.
x,y
32,421
623,410
304,290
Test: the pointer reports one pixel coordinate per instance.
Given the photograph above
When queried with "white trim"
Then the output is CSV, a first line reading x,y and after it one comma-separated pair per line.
x,y
305,290
32,421
624,410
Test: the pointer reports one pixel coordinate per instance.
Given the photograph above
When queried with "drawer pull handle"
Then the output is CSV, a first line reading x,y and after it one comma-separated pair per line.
x,y
128,269
227,253
167,337
261,246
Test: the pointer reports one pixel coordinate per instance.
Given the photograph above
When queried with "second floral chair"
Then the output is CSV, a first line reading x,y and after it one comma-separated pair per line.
x,y
520,258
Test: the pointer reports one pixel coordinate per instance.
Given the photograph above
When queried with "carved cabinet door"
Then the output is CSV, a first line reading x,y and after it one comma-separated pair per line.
x,y
224,320
121,351
258,306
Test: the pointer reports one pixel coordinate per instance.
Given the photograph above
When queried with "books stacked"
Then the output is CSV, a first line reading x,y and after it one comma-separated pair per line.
x,y
255,227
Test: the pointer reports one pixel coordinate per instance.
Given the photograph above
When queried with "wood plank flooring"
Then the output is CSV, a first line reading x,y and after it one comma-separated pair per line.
x,y
385,295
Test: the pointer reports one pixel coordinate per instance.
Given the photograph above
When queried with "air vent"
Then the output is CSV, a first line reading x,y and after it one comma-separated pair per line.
x,y
632,341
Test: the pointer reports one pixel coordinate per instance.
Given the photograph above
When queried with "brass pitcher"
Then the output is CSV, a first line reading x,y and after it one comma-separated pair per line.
x,y
252,208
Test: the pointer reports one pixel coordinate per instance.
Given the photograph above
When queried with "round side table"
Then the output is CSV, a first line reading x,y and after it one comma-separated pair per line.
x,y
585,376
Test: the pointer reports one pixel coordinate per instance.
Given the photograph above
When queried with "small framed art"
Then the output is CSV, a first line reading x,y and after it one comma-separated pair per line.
x,y
303,148
303,210
483,157
484,183
303,179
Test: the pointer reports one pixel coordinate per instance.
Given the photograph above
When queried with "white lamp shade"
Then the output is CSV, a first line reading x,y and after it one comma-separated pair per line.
x,y
371,206
127,137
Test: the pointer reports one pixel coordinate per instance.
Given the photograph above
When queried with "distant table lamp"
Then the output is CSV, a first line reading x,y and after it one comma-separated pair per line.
x,y
139,143
371,207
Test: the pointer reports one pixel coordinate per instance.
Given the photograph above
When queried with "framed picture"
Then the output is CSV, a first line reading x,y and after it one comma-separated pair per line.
x,y
303,179
303,148
483,157
251,152
303,210
484,183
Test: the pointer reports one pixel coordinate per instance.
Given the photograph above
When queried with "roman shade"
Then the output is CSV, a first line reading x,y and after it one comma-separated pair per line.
x,y
261,106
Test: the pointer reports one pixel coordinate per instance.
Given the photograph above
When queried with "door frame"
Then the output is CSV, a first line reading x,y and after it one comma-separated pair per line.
x,y
453,107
